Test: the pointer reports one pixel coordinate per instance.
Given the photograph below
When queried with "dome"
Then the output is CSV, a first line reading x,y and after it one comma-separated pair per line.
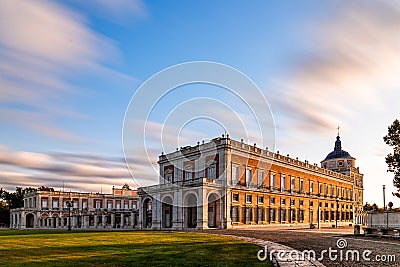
x,y
338,152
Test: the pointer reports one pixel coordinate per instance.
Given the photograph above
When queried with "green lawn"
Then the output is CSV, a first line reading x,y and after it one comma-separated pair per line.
x,y
138,248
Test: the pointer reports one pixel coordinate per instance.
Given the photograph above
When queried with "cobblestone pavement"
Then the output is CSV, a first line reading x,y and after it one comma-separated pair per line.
x,y
323,239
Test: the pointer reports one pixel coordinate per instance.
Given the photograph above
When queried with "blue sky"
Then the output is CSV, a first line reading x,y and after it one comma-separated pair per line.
x,y
69,69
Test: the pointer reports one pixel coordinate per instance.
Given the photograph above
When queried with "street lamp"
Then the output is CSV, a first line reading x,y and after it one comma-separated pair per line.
x,y
70,204
337,210
384,200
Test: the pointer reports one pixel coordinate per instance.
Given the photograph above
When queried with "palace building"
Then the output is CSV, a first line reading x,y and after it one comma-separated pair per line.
x,y
219,184
226,183
61,210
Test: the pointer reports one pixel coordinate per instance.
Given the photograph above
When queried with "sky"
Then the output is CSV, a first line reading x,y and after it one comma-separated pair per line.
x,y
69,69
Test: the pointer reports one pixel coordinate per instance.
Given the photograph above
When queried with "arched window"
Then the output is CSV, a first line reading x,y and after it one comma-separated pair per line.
x,y
212,170
168,176
188,173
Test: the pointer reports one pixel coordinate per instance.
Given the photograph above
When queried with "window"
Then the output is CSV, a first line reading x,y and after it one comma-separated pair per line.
x,y
311,204
188,173
272,181
301,185
283,182
342,193
235,175
326,189
118,206
211,170
326,205
248,214
333,190
76,204
84,205
235,214
235,197
292,184
292,202
126,206
338,192
272,200
283,215
319,188
249,198
55,204
301,215
283,201
301,202
109,205
260,200
261,213
168,176
248,177
272,215
97,204
44,203
260,178
311,187
293,215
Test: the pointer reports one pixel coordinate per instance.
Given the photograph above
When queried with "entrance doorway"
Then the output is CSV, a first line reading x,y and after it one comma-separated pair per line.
x,y
30,220
167,212
191,211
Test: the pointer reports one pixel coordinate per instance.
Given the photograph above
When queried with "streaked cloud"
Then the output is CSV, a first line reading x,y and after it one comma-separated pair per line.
x,y
351,61
78,171
43,45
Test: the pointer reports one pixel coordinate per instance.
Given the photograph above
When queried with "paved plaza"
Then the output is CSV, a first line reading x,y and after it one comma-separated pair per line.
x,y
382,249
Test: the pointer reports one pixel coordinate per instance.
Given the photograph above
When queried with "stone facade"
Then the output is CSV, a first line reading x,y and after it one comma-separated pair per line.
x,y
226,183
49,209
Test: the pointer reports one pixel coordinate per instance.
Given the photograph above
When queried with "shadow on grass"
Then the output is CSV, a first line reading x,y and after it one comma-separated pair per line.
x,y
128,249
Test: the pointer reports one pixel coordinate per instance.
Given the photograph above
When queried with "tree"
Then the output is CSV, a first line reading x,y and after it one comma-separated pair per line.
x,y
393,159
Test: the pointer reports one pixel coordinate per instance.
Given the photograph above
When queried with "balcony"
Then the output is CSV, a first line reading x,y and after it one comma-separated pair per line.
x,y
190,183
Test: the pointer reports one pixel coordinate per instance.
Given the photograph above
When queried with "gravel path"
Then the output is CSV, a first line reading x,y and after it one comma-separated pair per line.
x,y
323,239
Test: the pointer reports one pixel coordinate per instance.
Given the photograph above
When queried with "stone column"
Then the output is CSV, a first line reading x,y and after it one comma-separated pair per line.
x,y
122,220
103,220
96,221
112,220
156,213
177,211
132,219
227,209
202,209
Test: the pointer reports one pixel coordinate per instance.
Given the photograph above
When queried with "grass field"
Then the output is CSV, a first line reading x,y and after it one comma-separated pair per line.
x,y
138,248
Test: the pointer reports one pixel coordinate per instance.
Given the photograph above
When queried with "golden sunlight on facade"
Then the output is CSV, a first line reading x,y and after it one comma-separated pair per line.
x,y
226,183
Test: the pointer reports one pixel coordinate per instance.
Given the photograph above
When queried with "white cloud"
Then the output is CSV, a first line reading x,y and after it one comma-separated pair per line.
x,y
43,44
85,171
351,63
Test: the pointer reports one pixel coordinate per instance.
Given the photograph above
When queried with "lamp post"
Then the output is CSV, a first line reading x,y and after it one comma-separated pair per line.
x,y
337,210
384,200
70,204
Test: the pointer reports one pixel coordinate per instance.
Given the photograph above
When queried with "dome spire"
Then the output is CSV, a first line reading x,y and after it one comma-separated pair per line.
x,y
338,143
